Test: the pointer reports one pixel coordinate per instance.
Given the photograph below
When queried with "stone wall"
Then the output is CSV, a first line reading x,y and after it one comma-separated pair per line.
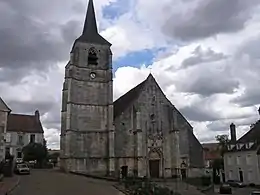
x,y
3,125
87,118
166,118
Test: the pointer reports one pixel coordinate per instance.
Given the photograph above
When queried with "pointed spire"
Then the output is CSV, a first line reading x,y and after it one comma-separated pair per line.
x,y
90,32
90,25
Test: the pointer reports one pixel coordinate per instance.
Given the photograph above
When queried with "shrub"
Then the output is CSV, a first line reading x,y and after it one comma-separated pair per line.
x,y
205,180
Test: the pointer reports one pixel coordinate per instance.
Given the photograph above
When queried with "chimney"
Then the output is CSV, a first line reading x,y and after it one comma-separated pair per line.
x,y
233,132
37,114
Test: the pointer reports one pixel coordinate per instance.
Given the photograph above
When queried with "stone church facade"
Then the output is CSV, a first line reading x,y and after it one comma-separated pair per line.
x,y
140,133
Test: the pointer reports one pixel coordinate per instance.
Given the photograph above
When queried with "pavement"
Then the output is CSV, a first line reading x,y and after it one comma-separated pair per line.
x,y
181,187
235,191
8,184
54,182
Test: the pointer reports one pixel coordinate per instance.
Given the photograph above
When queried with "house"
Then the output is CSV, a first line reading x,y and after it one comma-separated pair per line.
x,y
211,152
4,111
21,130
242,158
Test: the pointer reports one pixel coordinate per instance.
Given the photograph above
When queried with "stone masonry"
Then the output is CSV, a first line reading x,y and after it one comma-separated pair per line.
x,y
141,132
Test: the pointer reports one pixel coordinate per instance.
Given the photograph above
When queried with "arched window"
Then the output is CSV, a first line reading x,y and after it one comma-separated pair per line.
x,y
92,56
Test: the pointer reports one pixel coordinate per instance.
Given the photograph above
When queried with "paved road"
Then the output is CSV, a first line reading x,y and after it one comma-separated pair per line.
x,y
51,182
239,191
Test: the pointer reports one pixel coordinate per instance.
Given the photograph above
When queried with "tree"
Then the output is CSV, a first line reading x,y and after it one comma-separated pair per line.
x,y
218,164
223,143
54,157
35,151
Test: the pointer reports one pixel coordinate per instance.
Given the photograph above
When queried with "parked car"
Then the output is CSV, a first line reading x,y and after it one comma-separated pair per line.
x,y
235,183
22,168
225,188
19,160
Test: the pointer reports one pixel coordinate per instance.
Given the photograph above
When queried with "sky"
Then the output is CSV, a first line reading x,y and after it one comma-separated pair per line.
x,y
204,54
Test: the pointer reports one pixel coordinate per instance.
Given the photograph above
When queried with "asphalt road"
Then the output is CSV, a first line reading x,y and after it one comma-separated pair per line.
x,y
51,182
239,191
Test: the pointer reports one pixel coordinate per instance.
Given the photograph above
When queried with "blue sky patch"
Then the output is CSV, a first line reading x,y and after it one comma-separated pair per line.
x,y
116,9
135,59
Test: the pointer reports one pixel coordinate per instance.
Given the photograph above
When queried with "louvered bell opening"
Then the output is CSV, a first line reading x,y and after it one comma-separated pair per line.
x,y
92,59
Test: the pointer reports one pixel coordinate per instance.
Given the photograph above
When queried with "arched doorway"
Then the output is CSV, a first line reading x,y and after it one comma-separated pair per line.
x,y
183,170
154,164
19,153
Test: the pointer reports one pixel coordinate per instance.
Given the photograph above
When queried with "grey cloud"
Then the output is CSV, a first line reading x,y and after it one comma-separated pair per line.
x,y
197,113
50,108
29,41
223,125
250,97
29,107
206,139
210,18
248,60
201,110
199,56
53,117
204,110
207,80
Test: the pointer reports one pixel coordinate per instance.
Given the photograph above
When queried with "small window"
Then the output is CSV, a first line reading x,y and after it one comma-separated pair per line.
x,y
92,56
20,140
8,137
238,160
32,138
229,160
248,159
230,174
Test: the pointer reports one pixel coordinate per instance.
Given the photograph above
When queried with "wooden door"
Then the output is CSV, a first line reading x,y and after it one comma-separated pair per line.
x,y
124,171
154,166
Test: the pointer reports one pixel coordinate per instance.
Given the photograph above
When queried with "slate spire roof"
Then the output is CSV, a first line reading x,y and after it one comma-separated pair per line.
x,y
90,32
90,25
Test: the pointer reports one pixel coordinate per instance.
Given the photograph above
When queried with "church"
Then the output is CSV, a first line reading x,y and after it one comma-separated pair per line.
x,y
141,133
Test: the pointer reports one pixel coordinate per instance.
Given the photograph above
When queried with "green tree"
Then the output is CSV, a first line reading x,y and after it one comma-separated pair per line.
x,y
35,151
54,157
223,143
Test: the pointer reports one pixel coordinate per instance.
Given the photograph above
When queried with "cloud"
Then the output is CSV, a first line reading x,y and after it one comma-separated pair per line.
x,y
208,79
205,62
204,20
199,56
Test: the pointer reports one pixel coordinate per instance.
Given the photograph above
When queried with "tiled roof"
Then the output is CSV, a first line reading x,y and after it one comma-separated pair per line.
x,y
252,135
24,123
211,155
211,151
210,146
123,102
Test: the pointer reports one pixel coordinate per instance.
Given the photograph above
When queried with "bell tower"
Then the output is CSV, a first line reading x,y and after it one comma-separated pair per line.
x,y
87,132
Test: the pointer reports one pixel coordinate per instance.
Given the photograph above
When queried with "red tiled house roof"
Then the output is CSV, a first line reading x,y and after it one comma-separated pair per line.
x,y
211,151
24,123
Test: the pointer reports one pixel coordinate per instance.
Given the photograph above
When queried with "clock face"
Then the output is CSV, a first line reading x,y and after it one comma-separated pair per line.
x,y
92,75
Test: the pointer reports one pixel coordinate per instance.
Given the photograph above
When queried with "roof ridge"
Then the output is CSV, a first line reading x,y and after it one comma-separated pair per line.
x,y
7,107
17,114
123,101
